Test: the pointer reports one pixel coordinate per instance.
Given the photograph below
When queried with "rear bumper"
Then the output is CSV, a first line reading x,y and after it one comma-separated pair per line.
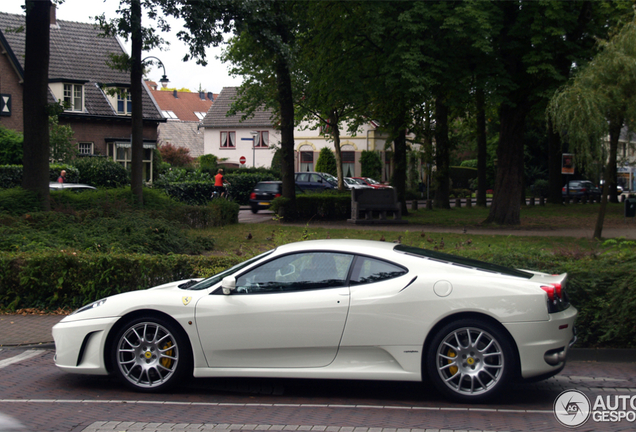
x,y
543,345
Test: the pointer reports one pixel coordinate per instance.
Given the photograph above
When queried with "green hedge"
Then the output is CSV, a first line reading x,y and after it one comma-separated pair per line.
x,y
328,205
11,175
199,192
52,280
601,287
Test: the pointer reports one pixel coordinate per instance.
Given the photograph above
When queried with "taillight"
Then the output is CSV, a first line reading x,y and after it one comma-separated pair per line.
x,y
563,190
253,196
554,291
277,195
583,190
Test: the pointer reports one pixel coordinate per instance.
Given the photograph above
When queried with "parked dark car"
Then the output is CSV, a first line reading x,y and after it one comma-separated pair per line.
x,y
265,192
581,188
316,181
373,183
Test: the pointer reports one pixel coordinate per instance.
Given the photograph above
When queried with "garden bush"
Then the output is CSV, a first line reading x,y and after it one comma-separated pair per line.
x,y
101,172
328,205
50,280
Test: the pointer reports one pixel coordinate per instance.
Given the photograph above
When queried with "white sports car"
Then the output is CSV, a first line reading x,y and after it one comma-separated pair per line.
x,y
337,309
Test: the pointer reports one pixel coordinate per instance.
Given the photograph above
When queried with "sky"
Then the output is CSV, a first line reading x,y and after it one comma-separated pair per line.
x,y
211,78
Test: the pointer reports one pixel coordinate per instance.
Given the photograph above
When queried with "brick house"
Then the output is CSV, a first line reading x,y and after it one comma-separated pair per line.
x,y
80,78
183,112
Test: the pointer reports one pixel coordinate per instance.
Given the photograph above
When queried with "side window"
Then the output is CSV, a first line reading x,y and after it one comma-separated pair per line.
x,y
302,177
296,272
315,178
369,270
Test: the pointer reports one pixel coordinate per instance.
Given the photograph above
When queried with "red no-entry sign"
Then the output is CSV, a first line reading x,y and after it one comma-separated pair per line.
x,y
242,160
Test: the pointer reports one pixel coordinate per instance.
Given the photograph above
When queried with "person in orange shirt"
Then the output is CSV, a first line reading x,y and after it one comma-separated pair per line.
x,y
220,182
62,177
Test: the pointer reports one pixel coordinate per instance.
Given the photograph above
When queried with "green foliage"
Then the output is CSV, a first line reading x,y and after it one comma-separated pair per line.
x,y
540,188
243,184
371,164
176,156
64,279
277,163
61,146
208,163
471,163
10,176
17,201
190,192
10,146
328,205
101,172
327,162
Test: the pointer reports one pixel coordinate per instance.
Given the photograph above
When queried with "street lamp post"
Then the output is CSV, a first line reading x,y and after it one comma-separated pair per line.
x,y
164,79
254,133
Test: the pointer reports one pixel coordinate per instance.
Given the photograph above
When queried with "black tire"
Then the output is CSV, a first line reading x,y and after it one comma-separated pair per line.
x,y
150,354
254,209
471,360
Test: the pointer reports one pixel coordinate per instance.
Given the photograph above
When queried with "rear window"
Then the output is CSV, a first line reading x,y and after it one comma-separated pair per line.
x,y
267,187
463,262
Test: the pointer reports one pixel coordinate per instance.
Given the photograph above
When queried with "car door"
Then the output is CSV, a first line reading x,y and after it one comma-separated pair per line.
x,y
302,180
289,312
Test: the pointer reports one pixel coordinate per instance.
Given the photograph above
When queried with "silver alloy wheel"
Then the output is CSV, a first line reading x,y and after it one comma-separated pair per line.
x,y
147,354
470,361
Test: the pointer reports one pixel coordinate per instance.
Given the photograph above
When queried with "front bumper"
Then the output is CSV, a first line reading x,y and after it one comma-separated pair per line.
x,y
79,345
538,341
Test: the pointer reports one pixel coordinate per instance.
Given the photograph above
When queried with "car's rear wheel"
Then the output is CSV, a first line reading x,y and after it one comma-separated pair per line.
x,y
470,360
150,354
254,209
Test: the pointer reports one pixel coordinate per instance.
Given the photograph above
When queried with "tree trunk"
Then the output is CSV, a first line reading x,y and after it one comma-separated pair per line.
x,y
136,76
36,84
333,122
442,155
506,209
283,82
482,148
614,132
399,160
555,178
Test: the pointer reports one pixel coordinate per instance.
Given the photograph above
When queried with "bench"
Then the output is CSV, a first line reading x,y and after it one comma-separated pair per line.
x,y
366,204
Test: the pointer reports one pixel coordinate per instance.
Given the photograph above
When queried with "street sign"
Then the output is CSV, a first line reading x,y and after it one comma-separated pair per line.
x,y
242,160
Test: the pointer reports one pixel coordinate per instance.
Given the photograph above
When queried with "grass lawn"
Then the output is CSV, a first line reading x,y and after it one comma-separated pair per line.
x,y
249,239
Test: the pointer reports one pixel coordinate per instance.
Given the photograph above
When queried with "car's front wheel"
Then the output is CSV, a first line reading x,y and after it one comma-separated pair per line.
x,y
470,360
150,354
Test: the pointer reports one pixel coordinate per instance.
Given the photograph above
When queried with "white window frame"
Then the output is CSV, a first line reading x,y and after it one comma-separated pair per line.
x,y
123,97
72,95
87,146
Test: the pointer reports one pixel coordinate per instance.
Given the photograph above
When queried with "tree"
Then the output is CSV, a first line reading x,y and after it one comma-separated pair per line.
x,y
62,147
326,162
371,164
128,25
177,156
35,93
597,103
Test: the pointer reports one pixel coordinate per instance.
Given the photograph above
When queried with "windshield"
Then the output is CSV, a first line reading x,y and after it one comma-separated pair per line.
x,y
373,182
330,178
207,283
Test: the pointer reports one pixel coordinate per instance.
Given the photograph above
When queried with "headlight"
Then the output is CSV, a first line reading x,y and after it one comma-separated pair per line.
x,y
90,306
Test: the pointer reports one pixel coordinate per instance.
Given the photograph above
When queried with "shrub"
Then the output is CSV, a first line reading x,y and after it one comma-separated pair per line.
x,y
540,188
176,156
10,176
17,201
101,172
10,146
328,205
72,173
63,279
371,164
327,162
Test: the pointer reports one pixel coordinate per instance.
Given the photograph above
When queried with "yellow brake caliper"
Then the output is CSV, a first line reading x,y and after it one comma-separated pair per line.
x,y
166,362
452,369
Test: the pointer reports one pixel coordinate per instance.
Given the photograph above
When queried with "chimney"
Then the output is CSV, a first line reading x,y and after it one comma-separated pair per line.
x,y
53,19
174,93
211,96
202,96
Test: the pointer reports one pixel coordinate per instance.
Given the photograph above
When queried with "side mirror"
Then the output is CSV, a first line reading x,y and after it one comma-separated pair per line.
x,y
228,284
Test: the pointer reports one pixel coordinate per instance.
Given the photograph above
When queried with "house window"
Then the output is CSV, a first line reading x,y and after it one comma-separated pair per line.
x,y
73,97
121,152
85,148
200,115
306,161
124,104
228,139
348,163
261,139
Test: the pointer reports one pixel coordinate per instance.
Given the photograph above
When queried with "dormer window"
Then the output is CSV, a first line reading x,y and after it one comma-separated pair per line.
x,y
124,104
73,97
